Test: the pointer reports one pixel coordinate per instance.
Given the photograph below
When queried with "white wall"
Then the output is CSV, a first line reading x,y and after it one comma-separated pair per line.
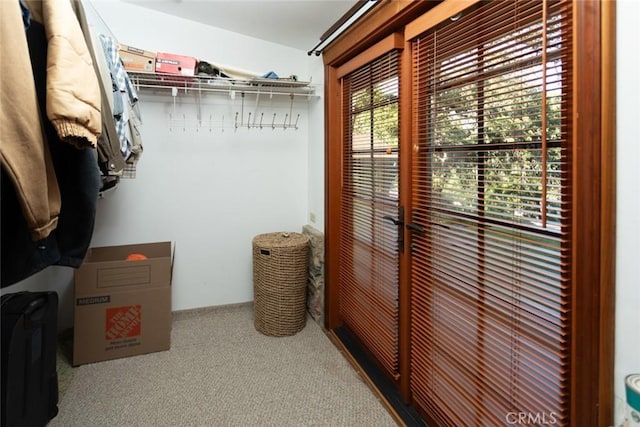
x,y
627,338
209,191
159,32
316,147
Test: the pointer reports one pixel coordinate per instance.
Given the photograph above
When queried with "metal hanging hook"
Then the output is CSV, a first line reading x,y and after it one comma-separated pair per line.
x,y
242,109
290,109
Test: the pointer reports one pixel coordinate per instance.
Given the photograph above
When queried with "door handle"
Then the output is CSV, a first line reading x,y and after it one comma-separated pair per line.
x,y
398,222
415,227
395,221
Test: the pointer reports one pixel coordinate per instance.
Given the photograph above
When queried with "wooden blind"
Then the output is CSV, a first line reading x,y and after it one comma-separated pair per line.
x,y
490,274
368,244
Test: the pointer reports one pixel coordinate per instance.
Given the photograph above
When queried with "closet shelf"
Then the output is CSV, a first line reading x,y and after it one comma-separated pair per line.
x,y
203,84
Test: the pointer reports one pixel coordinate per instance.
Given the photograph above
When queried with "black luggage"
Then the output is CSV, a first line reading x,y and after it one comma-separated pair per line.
x,y
29,342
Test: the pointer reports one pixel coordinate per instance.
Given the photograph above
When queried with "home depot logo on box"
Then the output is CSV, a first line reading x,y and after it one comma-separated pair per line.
x,y
123,322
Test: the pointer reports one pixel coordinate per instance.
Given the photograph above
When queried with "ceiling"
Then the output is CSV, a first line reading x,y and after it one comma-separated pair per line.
x,y
294,23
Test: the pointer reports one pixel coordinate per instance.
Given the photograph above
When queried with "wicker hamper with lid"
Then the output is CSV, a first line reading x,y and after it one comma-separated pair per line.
x,y
280,264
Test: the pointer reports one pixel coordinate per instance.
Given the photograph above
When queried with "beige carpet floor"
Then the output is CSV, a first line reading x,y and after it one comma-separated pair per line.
x,y
221,372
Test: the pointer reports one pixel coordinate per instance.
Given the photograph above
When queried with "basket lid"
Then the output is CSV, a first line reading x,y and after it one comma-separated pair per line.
x,y
280,240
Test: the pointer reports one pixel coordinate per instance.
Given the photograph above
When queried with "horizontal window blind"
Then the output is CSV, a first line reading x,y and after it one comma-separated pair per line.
x,y
368,244
490,274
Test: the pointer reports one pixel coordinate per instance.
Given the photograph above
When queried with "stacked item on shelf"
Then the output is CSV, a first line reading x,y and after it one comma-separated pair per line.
x,y
161,67
166,66
170,63
135,59
140,60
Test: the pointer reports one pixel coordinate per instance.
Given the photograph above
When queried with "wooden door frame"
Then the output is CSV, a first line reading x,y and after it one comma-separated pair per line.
x,y
593,182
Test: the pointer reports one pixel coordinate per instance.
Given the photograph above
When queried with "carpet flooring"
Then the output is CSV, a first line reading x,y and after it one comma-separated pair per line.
x,y
221,372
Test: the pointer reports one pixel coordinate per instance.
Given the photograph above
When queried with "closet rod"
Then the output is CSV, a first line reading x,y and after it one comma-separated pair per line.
x,y
343,24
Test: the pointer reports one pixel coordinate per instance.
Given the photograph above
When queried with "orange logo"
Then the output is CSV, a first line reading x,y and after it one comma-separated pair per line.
x,y
122,322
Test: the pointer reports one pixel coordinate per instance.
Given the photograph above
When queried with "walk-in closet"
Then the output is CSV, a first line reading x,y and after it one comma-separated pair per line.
x,y
319,213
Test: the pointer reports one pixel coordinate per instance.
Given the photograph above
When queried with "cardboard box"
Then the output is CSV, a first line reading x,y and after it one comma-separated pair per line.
x,y
135,59
176,64
122,308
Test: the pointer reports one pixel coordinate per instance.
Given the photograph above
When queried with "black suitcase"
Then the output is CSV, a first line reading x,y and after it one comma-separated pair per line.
x,y
29,343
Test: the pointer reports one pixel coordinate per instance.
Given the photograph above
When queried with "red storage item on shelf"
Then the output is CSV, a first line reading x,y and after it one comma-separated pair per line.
x,y
180,65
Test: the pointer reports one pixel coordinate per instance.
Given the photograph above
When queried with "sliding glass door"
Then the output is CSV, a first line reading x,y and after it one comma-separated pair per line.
x,y
470,206
369,239
490,267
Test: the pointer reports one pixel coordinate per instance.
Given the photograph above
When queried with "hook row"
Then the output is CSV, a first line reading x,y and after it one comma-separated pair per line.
x,y
184,123
252,125
238,121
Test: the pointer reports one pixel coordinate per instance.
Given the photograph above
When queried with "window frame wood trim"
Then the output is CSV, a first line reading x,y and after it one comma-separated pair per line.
x,y
435,16
608,208
394,41
333,199
404,288
594,194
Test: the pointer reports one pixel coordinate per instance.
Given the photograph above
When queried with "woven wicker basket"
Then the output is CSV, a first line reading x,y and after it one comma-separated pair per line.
x,y
280,265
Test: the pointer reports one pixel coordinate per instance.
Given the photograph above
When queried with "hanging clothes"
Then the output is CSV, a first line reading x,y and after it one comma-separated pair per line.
x,y
110,159
24,152
72,94
125,98
120,145
50,118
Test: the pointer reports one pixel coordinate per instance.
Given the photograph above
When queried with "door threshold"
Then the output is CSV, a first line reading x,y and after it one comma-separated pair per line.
x,y
404,414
